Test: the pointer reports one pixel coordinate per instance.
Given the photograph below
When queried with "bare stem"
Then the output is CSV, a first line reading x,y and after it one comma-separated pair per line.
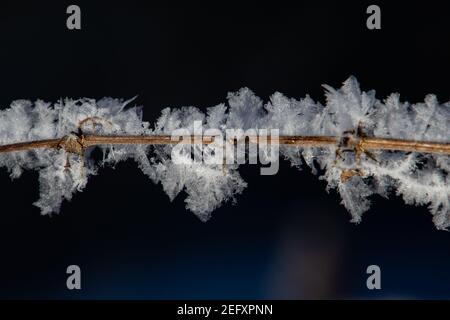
x,y
23,146
363,143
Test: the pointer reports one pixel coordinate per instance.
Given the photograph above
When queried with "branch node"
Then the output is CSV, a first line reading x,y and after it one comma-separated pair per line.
x,y
72,143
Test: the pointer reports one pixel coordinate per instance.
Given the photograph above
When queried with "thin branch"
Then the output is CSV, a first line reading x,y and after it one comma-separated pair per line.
x,y
76,144
24,146
406,145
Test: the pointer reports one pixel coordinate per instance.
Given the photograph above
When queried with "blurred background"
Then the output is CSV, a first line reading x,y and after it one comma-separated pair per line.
x,y
286,238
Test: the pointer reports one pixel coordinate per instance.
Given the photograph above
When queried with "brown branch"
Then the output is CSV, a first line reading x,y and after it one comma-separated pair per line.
x,y
406,145
76,144
23,146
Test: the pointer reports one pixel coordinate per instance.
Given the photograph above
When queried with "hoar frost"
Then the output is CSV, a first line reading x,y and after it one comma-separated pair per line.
x,y
420,178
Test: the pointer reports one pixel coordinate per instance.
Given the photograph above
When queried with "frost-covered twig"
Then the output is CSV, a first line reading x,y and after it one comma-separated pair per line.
x,y
360,145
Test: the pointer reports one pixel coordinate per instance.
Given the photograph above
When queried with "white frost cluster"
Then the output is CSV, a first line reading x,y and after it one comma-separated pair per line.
x,y
419,178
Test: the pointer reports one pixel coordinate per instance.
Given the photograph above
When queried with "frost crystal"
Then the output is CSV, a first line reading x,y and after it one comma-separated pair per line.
x,y
421,179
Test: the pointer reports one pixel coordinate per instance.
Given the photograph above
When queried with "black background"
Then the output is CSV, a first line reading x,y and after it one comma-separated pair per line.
x,y
122,230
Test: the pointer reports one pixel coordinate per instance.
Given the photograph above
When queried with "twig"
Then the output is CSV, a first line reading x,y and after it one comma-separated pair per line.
x,y
77,143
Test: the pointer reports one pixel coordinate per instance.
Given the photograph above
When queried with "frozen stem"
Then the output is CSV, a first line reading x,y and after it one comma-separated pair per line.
x,y
77,143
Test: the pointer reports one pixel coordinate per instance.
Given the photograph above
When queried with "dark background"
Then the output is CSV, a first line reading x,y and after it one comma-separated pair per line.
x,y
286,237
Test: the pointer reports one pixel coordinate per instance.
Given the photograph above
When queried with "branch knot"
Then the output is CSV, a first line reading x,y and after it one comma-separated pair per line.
x,y
72,143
